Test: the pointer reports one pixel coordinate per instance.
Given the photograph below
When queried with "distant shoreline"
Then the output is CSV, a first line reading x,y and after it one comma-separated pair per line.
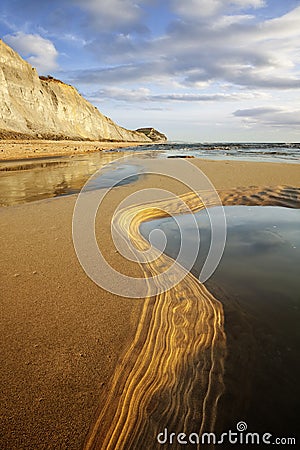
x,y
16,149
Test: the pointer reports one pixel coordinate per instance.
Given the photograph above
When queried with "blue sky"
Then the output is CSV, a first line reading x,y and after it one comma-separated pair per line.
x,y
198,70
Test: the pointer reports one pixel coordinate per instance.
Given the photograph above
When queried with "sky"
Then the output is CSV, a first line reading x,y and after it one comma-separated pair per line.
x,y
197,70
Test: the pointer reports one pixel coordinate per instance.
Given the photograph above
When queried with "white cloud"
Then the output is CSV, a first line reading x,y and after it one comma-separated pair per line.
x,y
275,117
142,95
203,8
243,4
285,26
236,49
232,47
38,51
228,20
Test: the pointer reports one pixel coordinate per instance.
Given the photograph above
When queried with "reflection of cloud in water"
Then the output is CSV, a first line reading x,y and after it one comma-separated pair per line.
x,y
255,241
109,176
262,243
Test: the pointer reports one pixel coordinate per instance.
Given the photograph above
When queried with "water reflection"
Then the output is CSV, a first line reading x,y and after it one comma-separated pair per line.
x,y
261,241
258,283
25,181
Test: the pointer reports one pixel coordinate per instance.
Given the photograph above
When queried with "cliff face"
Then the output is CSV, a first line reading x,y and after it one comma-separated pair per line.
x,y
48,108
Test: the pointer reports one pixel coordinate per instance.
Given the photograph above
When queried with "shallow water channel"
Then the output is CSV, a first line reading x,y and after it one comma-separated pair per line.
x,y
36,179
258,283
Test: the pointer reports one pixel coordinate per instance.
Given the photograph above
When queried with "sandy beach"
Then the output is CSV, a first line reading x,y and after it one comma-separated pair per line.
x,y
149,224
35,148
65,338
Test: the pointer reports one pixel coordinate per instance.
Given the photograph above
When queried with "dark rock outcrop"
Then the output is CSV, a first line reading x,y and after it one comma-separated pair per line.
x,y
153,134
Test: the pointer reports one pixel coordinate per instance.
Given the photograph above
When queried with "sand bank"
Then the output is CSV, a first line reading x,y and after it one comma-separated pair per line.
x,y
23,149
64,337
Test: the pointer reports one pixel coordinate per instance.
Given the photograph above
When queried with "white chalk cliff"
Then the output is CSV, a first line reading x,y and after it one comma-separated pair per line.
x,y
48,108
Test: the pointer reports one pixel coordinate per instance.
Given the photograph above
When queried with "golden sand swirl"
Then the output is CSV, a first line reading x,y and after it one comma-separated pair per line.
x,y
172,374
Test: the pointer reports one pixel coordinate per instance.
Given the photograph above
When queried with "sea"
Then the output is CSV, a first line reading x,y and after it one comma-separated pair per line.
x,y
272,152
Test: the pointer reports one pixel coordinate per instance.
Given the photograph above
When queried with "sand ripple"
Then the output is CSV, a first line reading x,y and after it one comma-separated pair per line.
x,y
172,374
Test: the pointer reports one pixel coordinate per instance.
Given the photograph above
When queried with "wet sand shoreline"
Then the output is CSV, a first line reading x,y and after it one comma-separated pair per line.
x,y
35,179
64,336
19,149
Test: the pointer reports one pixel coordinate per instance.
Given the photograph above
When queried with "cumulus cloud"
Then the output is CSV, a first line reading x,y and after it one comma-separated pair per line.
x,y
280,117
241,51
38,51
285,26
232,47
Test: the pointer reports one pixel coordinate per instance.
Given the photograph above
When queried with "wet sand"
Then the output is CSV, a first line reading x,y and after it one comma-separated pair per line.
x,y
23,149
66,340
